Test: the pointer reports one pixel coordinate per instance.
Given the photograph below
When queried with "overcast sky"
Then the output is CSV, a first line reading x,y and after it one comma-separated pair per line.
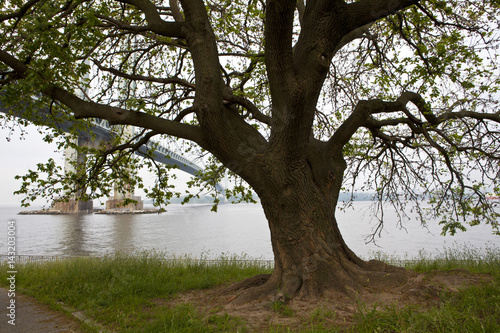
x,y
18,156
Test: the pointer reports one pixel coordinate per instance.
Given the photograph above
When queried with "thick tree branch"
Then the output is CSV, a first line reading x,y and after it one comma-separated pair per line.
x,y
247,104
469,114
20,13
176,12
279,52
119,116
353,35
360,116
367,11
376,128
301,8
155,22
420,103
433,119
18,66
292,119
183,114
203,49
122,25
228,136
326,27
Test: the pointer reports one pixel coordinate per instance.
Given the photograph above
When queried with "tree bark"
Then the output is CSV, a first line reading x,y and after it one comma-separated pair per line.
x,y
311,257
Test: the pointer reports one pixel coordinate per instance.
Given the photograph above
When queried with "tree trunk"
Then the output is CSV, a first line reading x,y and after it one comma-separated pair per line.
x,y
311,256
310,253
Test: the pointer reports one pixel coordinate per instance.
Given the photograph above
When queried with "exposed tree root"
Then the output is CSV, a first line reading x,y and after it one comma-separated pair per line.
x,y
251,289
353,282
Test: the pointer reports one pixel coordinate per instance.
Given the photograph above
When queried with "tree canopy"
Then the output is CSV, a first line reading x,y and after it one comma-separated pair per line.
x,y
318,96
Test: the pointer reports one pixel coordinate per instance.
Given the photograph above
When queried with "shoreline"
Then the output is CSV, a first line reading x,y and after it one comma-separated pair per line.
x,y
94,211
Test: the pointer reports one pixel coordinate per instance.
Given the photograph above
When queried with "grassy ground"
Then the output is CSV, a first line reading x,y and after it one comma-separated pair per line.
x,y
121,292
475,309
128,293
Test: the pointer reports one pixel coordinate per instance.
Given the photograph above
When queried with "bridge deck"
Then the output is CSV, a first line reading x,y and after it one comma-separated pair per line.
x,y
102,132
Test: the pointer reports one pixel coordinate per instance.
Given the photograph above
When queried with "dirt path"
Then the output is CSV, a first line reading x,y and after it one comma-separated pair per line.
x,y
31,316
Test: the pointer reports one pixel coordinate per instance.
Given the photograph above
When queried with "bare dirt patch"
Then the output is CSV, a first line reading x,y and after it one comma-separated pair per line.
x,y
425,290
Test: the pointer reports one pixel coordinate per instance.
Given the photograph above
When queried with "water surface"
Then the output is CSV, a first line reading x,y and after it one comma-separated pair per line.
x,y
194,230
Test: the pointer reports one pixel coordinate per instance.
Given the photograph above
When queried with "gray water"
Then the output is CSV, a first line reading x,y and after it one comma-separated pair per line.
x,y
194,230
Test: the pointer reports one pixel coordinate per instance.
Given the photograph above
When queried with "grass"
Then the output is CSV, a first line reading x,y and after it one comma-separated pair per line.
x,y
125,292
475,309
121,291
477,260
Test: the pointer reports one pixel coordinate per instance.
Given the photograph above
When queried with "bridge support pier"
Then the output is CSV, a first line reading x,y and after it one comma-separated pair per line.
x,y
116,202
74,205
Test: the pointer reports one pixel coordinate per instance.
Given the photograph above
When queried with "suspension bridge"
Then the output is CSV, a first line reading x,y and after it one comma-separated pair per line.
x,y
100,131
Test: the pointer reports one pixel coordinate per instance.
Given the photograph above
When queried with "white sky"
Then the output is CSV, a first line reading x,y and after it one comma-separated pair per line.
x,y
18,156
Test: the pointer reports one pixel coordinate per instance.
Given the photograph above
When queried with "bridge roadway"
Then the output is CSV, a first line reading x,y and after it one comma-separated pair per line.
x,y
101,132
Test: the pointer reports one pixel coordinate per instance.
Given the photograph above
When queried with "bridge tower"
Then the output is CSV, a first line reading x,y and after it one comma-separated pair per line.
x,y
73,205
117,201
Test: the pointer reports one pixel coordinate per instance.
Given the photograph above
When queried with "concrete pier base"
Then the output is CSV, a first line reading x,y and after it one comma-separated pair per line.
x,y
72,206
117,204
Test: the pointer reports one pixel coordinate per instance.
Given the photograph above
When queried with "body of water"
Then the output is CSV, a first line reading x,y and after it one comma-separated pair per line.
x,y
194,230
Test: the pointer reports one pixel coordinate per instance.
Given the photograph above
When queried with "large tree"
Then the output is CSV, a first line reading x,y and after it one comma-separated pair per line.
x,y
301,99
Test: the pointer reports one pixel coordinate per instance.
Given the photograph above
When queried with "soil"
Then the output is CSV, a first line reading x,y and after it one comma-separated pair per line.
x,y
423,290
